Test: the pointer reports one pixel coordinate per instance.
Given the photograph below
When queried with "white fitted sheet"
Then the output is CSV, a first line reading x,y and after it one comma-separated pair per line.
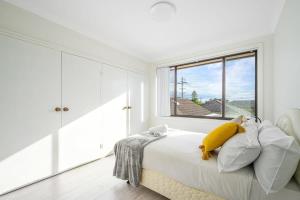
x,y
290,192
178,157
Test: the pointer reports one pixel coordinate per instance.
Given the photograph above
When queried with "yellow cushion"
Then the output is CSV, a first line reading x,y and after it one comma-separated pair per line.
x,y
218,137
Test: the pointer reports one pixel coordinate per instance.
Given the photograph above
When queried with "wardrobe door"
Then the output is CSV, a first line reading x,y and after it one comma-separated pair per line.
x,y
79,138
29,93
113,109
136,103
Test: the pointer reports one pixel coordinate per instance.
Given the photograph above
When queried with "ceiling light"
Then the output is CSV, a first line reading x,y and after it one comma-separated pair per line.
x,y
162,11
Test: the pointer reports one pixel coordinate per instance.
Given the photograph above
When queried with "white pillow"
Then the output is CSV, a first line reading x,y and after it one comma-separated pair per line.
x,y
238,119
265,124
158,130
240,150
250,121
278,160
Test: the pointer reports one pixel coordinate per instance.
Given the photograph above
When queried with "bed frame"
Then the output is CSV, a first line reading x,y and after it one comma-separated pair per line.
x,y
174,190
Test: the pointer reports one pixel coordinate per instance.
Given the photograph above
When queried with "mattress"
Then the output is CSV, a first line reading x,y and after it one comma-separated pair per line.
x,y
177,156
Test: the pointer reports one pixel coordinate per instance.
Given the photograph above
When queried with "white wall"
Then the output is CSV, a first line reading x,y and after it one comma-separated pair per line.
x,y
25,23
287,59
265,80
22,25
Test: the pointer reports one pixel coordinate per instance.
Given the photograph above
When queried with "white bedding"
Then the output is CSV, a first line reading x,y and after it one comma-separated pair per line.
x,y
290,192
178,157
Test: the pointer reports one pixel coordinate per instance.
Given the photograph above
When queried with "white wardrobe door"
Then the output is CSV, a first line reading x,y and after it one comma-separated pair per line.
x,y
114,99
79,137
136,100
29,92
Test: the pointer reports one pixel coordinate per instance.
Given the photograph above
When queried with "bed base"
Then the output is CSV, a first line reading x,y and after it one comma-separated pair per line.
x,y
172,189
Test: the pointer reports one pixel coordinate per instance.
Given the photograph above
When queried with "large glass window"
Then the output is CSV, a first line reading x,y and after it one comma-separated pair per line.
x,y
223,87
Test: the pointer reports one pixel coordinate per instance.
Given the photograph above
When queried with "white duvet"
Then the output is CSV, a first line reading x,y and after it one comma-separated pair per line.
x,y
179,157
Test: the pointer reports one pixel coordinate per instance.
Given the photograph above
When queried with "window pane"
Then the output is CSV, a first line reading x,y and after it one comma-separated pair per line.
x,y
240,87
199,90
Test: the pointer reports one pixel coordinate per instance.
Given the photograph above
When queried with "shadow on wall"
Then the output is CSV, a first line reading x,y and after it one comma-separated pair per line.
x,y
90,136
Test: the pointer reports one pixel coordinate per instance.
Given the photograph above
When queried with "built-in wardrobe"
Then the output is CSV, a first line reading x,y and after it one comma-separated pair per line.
x,y
59,110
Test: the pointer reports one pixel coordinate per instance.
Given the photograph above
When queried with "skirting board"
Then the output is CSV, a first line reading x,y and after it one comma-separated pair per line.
x,y
172,189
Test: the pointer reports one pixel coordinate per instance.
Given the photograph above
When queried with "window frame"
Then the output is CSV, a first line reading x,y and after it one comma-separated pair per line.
x,y
223,58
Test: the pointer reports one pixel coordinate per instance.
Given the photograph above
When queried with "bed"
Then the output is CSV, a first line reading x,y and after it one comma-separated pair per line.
x,y
173,167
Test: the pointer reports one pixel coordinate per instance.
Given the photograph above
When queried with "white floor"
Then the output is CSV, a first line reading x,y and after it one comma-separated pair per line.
x,y
92,181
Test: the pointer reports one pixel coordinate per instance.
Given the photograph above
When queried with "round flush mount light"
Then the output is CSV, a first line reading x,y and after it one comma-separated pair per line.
x,y
162,11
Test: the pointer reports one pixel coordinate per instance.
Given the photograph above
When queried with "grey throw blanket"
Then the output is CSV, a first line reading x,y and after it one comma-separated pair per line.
x,y
129,156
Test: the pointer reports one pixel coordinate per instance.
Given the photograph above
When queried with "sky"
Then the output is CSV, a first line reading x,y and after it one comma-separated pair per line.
x,y
206,80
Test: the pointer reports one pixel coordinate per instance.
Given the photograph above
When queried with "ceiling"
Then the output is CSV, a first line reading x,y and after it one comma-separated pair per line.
x,y
127,25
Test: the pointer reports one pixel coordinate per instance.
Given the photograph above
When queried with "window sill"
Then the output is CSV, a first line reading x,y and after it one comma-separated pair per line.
x,y
200,117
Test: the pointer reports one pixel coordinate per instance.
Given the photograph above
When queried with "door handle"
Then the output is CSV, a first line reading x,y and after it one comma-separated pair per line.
x,y
126,108
57,109
66,109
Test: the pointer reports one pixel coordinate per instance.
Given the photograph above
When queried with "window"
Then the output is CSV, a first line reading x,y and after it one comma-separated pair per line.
x,y
223,87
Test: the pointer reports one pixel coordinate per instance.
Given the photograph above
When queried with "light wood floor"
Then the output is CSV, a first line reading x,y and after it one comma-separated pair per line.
x,y
89,182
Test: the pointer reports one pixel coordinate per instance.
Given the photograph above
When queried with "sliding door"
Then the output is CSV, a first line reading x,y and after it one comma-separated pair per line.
x,y
79,138
29,92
